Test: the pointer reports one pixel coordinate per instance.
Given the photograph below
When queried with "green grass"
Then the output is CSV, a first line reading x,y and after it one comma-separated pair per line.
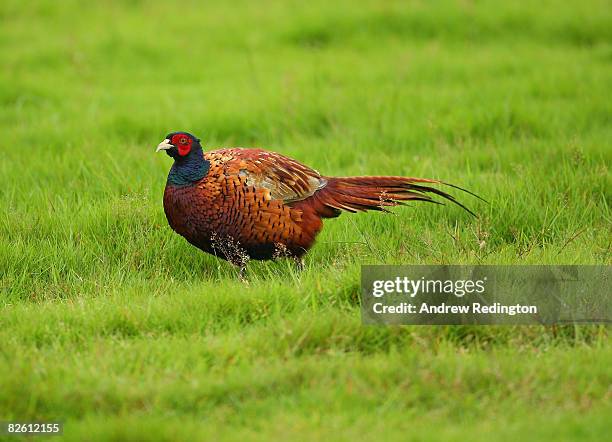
x,y
115,325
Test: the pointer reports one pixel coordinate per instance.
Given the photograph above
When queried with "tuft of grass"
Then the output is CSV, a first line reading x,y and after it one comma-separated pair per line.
x,y
116,326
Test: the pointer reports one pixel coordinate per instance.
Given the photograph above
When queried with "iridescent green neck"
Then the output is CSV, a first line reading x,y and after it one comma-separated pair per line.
x,y
189,170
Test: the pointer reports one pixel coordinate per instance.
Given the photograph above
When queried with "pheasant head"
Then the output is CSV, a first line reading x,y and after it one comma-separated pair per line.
x,y
189,163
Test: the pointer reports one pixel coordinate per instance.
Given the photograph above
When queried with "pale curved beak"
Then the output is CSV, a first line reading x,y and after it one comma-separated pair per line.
x,y
164,145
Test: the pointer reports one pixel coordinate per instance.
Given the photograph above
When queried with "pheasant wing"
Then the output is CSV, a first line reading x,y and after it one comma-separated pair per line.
x,y
286,179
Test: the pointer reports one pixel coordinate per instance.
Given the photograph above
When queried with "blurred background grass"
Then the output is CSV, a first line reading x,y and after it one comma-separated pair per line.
x,y
114,324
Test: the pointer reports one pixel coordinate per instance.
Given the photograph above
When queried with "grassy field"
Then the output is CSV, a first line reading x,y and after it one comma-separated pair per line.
x,y
113,324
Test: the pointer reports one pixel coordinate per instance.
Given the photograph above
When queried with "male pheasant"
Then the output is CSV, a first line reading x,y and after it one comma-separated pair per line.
x,y
240,204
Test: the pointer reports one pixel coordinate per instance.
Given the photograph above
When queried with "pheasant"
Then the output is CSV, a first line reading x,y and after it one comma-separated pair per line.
x,y
240,204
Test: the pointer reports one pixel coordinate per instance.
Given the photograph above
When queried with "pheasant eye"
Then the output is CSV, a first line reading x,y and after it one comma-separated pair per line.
x,y
183,141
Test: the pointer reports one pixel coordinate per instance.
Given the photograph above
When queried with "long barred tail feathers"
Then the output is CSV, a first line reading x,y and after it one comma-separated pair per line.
x,y
356,194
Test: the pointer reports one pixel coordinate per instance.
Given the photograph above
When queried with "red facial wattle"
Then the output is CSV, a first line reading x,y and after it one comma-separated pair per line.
x,y
182,143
